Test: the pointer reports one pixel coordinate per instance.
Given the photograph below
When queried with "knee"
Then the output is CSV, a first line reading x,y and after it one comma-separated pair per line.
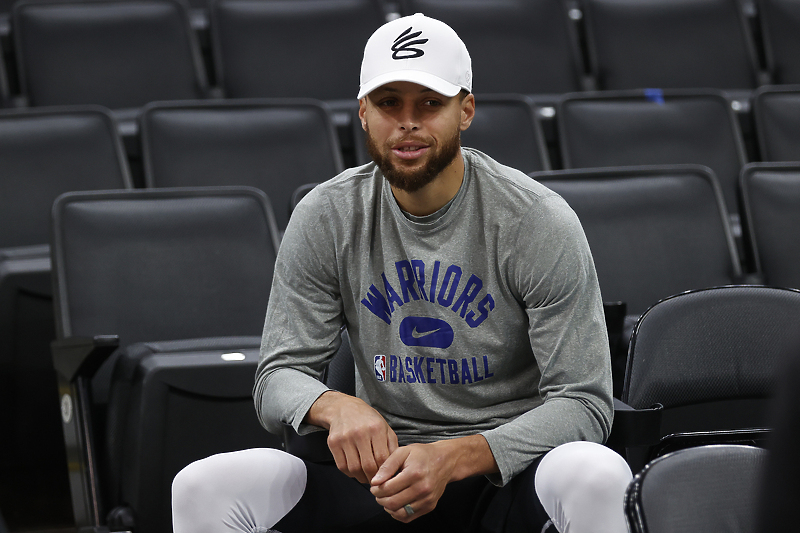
x,y
585,467
582,487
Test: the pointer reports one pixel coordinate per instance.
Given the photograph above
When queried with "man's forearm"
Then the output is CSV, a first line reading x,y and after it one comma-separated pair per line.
x,y
472,456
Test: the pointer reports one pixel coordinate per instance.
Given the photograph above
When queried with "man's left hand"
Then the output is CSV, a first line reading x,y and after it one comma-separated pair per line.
x,y
417,474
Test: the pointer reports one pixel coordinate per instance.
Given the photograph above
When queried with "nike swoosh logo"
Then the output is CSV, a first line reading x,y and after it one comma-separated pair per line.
x,y
419,334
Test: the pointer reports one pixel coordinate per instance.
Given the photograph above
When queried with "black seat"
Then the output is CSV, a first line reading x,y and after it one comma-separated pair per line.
x,y
713,489
776,112
274,144
653,231
780,22
118,53
709,358
286,48
654,128
771,195
161,274
43,153
505,127
670,44
516,46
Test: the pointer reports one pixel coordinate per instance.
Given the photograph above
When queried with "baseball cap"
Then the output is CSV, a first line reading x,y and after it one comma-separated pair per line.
x,y
418,49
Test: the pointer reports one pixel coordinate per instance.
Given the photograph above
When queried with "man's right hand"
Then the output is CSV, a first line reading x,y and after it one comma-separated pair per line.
x,y
359,438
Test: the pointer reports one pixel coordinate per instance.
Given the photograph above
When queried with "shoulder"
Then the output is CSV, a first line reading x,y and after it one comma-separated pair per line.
x,y
513,192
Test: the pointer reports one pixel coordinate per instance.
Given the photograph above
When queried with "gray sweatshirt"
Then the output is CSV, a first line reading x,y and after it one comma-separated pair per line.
x,y
485,317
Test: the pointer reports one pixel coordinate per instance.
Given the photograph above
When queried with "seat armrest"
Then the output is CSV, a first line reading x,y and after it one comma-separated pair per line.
x,y
75,357
634,427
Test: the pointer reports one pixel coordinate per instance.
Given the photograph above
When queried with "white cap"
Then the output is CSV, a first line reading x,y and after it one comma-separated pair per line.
x,y
418,49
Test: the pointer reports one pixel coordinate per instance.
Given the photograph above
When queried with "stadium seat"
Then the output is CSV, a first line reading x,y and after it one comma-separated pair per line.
x,y
43,153
670,44
713,489
776,113
780,27
120,54
653,127
709,358
654,231
287,48
272,144
771,196
153,289
516,46
505,127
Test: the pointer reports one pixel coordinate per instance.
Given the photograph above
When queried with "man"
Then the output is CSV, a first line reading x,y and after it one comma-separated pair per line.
x,y
472,305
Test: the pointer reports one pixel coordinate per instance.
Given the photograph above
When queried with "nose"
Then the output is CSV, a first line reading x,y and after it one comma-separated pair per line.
x,y
409,119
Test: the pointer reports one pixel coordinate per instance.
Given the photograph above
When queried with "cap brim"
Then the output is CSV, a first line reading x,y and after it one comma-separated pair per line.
x,y
425,79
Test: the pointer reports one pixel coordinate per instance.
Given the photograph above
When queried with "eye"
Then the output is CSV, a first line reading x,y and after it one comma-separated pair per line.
x,y
432,103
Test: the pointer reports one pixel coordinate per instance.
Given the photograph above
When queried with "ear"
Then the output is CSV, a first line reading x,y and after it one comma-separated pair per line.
x,y
467,111
362,109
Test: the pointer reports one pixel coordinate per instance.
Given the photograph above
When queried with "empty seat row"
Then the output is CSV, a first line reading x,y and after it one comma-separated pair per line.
x,y
284,48
278,145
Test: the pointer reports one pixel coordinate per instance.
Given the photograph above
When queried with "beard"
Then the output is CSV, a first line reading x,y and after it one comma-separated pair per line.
x,y
412,180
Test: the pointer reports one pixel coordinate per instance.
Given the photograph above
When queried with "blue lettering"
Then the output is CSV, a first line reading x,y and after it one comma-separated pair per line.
x,y
419,274
392,368
475,322
376,303
429,361
406,275
391,294
418,369
401,378
466,377
434,280
486,367
452,367
474,285
411,378
453,272
478,377
442,362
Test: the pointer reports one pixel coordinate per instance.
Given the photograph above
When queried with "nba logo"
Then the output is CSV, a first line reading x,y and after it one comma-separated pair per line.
x,y
380,367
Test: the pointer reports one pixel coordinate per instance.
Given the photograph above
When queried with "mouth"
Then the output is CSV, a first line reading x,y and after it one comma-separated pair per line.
x,y
409,150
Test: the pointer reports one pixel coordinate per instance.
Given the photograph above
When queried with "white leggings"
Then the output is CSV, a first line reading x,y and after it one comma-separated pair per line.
x,y
581,486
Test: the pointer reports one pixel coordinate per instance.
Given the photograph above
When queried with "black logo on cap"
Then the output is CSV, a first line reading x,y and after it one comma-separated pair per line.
x,y
402,47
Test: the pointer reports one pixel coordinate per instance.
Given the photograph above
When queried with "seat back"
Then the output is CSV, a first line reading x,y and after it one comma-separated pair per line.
x,y
117,53
286,48
274,145
776,113
653,231
83,150
713,489
709,358
163,264
771,196
670,44
507,129
653,128
516,46
780,22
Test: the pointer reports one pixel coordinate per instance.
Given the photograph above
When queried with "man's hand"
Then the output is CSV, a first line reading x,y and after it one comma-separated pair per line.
x,y
358,436
417,474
